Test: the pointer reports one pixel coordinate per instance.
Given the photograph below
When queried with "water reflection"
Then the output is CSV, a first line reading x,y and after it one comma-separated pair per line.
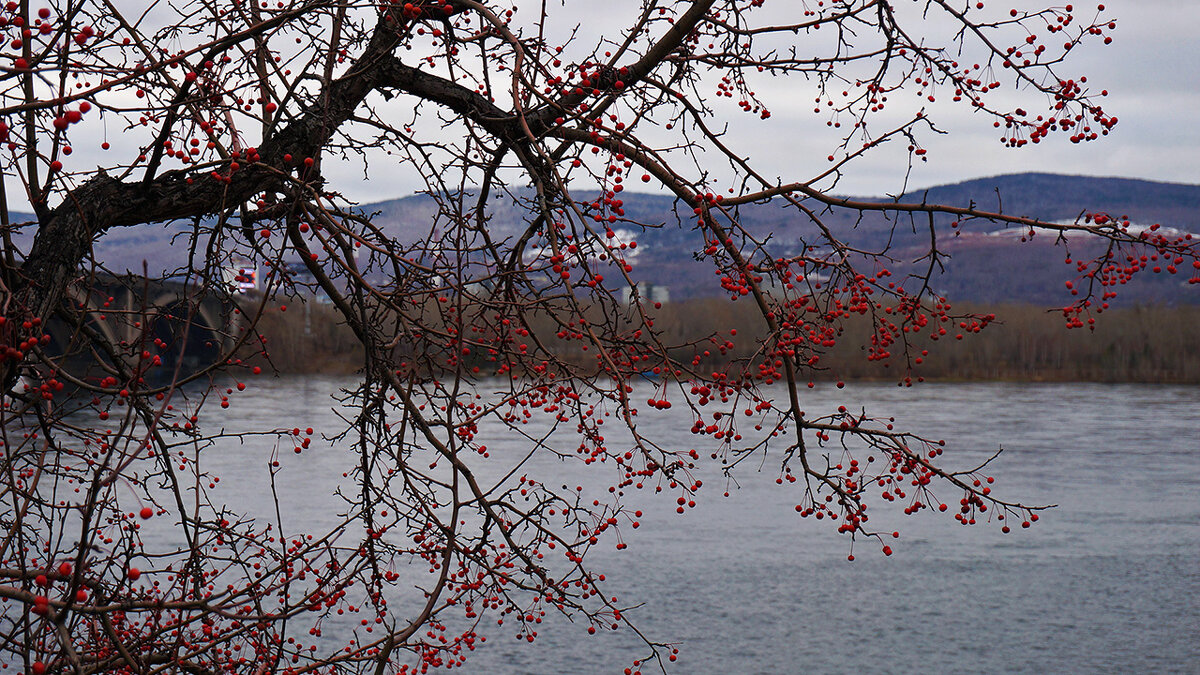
x,y
1105,583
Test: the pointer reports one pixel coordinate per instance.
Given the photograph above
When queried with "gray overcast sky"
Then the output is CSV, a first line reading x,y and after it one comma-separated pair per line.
x,y
1152,73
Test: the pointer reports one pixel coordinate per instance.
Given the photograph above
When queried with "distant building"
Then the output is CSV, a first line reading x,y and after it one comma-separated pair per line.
x,y
304,282
648,292
241,277
299,274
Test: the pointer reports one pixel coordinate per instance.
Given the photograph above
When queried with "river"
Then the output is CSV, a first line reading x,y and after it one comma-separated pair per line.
x,y
1107,582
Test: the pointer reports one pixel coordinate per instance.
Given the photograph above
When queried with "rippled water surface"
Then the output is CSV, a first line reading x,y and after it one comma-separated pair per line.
x,y
1107,582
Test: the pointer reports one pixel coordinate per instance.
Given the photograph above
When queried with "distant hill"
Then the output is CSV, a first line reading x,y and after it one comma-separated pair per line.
x,y
985,264
1057,196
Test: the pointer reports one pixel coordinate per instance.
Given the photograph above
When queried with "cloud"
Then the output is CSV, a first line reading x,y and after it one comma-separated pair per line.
x,y
1150,71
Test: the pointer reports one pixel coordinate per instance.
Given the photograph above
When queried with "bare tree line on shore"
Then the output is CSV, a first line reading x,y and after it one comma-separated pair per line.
x,y
1024,343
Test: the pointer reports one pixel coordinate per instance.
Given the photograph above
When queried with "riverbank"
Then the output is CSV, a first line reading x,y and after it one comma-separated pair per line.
x,y
1155,344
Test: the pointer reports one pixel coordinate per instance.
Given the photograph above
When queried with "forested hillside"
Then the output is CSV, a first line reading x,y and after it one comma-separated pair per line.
x,y
981,262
